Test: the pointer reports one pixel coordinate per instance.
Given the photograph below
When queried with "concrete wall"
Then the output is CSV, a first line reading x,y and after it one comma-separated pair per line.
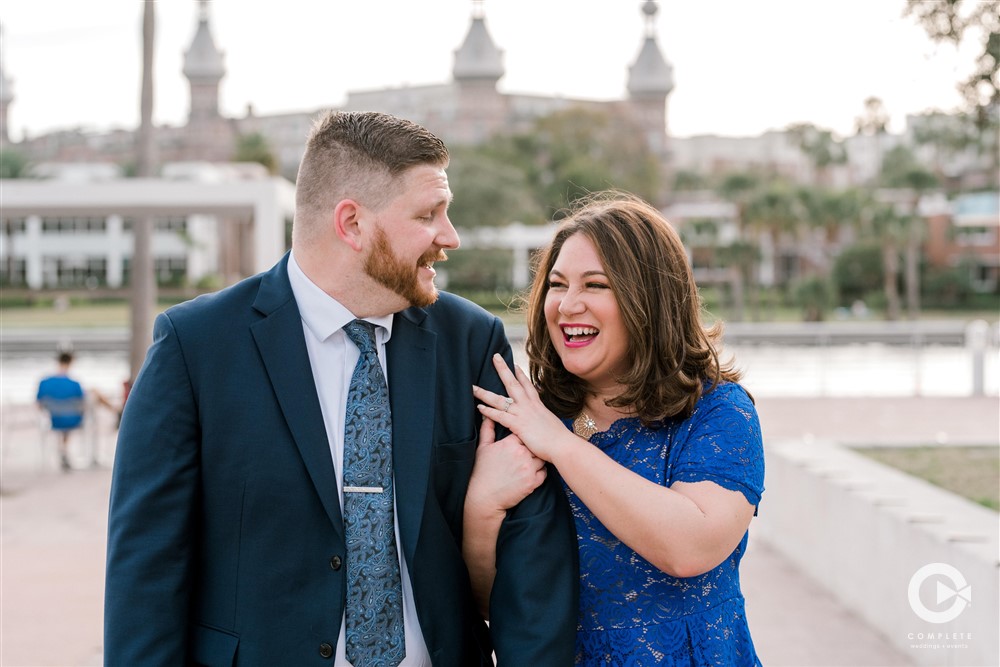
x,y
863,530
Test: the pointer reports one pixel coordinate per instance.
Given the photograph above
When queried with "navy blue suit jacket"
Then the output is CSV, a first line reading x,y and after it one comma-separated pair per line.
x,y
226,539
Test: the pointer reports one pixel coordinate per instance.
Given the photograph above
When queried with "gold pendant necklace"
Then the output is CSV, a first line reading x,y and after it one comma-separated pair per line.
x,y
584,426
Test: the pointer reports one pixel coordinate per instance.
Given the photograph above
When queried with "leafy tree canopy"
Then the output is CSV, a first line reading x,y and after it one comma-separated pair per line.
x,y
901,169
818,144
951,21
13,164
570,153
254,148
489,192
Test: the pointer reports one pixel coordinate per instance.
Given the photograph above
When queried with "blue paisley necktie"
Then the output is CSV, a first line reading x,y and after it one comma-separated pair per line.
x,y
374,616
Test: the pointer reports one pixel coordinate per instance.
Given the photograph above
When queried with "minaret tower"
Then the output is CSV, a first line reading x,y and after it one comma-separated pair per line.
x,y
478,67
650,80
208,136
204,69
6,96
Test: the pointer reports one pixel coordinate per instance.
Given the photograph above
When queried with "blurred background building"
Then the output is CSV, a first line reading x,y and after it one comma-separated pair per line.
x,y
776,210
468,109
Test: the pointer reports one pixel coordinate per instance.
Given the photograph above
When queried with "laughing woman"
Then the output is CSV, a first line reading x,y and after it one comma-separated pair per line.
x,y
657,444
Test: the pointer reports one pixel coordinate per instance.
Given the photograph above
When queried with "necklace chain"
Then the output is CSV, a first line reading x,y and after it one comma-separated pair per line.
x,y
584,426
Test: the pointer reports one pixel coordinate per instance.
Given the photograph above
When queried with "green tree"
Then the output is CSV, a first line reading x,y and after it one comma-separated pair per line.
x,y
831,216
489,192
14,164
902,170
773,217
857,272
820,146
740,257
814,295
951,21
254,148
573,152
687,180
889,228
948,287
738,188
947,135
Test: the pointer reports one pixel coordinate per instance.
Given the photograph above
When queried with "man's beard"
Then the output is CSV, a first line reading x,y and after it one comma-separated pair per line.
x,y
391,272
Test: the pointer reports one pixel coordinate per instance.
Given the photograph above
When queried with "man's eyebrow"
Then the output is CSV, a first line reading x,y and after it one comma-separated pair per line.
x,y
444,201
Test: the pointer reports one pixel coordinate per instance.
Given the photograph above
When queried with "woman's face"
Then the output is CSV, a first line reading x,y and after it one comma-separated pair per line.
x,y
582,316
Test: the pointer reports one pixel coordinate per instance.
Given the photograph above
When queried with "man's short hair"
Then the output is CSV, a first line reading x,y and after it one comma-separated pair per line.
x,y
359,155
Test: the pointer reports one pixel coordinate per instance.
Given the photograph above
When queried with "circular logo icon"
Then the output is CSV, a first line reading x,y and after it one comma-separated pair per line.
x,y
957,589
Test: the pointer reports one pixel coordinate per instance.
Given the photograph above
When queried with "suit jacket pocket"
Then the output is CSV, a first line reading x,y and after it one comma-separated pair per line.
x,y
213,648
455,451
451,471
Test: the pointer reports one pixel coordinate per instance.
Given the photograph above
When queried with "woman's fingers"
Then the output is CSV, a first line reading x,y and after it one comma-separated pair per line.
x,y
490,399
500,408
508,379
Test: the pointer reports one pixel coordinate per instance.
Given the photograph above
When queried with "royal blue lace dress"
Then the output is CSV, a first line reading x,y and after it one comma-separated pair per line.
x,y
633,614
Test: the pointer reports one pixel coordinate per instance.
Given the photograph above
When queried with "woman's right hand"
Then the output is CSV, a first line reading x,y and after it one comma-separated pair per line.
x,y
505,471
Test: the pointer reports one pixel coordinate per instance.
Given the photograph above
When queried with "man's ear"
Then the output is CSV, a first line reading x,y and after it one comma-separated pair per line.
x,y
346,222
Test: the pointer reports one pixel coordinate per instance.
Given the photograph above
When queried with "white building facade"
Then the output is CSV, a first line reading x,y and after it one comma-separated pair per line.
x,y
212,224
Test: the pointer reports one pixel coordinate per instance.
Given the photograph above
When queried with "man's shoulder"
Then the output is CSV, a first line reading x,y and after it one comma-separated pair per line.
x,y
224,304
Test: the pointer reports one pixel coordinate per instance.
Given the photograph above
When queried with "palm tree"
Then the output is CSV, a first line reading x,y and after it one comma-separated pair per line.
x,y
832,216
255,148
143,284
773,214
738,188
889,228
918,180
741,258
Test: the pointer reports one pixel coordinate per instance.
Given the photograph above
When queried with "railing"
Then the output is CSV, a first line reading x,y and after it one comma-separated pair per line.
x,y
820,359
946,358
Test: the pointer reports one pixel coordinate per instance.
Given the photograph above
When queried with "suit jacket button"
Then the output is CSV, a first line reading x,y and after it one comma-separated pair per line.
x,y
336,562
325,650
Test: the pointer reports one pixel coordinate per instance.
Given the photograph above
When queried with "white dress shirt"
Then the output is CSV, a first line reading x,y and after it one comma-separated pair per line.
x,y
332,357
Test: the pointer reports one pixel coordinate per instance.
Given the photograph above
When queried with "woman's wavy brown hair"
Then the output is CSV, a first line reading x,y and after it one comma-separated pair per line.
x,y
671,354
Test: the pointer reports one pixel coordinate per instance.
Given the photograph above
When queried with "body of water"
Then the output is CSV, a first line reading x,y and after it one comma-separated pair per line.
x,y
871,369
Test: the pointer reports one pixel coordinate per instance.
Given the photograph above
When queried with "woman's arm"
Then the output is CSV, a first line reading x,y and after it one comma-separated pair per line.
x,y
685,530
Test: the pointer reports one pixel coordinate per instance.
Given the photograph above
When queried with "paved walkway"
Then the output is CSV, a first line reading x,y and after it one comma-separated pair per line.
x,y
53,526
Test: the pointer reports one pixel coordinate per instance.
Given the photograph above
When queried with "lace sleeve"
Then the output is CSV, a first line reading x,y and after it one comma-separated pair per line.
x,y
721,442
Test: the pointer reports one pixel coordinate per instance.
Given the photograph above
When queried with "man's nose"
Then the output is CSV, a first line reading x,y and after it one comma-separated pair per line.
x,y
448,237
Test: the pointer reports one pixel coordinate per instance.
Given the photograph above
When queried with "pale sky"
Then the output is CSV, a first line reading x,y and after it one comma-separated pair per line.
x,y
741,67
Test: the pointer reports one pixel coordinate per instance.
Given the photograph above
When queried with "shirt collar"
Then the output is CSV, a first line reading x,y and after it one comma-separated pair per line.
x,y
321,313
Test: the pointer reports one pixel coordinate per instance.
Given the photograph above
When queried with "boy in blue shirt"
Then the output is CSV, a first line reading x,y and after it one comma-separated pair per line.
x,y
62,397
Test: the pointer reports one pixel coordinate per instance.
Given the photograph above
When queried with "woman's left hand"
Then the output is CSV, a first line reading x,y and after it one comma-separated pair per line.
x,y
523,412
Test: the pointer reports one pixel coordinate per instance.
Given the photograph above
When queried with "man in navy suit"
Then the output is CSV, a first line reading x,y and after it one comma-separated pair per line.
x,y
226,537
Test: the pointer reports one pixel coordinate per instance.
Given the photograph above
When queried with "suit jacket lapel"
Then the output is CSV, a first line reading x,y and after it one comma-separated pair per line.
x,y
411,361
282,346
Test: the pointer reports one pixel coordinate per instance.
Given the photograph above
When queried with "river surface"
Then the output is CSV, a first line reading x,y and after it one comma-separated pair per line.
x,y
851,370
